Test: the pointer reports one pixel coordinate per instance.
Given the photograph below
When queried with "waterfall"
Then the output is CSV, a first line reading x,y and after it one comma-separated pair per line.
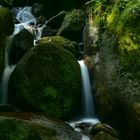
x,y
87,99
28,21
7,72
87,103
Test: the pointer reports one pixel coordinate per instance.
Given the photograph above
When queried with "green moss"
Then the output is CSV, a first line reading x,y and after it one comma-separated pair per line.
x,y
16,129
74,20
60,42
42,81
50,92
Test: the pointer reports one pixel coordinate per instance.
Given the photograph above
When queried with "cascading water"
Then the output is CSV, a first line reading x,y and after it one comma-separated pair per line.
x,y
28,21
25,18
87,99
7,72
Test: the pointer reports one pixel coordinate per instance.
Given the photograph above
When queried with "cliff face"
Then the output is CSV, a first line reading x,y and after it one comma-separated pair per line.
x,y
117,74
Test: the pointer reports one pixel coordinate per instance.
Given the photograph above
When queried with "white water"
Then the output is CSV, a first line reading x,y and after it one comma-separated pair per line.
x,y
87,99
25,17
6,73
29,22
87,102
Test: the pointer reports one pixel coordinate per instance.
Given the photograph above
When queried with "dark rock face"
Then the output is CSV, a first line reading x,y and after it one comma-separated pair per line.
x,y
52,7
6,28
73,24
47,79
23,126
21,43
117,72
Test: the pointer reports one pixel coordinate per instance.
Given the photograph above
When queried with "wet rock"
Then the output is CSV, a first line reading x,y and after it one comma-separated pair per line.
x,y
73,24
21,43
104,136
84,127
31,126
42,81
100,127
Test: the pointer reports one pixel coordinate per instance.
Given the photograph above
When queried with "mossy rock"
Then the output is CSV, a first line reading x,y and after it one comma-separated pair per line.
x,y
47,79
16,129
37,128
73,24
59,41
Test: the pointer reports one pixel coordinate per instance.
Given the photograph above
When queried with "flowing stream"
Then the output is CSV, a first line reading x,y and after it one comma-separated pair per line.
x,y
7,71
28,21
25,18
87,99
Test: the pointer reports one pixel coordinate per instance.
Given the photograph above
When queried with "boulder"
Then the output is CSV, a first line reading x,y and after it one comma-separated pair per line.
x,y
99,128
73,24
21,43
47,79
59,41
104,136
24,126
6,28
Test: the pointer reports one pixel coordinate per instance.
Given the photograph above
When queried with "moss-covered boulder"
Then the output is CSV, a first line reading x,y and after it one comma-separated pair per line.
x,y
47,79
73,24
104,131
6,28
59,41
23,126
117,71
